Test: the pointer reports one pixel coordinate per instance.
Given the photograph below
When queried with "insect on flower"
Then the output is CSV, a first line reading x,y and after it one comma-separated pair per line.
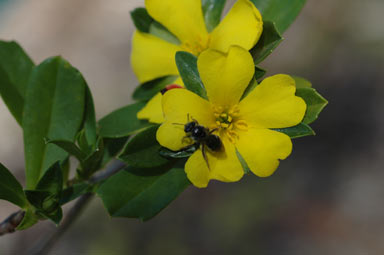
x,y
202,136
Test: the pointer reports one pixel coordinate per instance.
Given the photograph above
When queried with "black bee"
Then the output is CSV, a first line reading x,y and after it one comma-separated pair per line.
x,y
203,137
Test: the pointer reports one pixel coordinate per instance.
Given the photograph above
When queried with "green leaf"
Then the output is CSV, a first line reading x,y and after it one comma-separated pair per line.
x,y
282,12
141,19
112,147
123,122
143,150
15,69
212,10
132,196
69,147
10,188
160,31
29,219
301,82
54,109
146,91
89,118
45,198
300,130
75,191
269,40
315,103
187,65
183,153
92,163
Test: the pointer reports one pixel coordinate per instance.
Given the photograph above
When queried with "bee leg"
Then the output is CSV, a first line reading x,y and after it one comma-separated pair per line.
x,y
213,130
205,155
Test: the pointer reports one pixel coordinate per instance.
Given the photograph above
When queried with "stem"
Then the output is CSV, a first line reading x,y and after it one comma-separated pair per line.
x,y
10,224
44,246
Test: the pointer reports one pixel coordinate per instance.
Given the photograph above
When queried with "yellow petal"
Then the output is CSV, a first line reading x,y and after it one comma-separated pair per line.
x,y
152,57
225,75
273,104
184,18
242,26
223,166
262,149
178,105
153,111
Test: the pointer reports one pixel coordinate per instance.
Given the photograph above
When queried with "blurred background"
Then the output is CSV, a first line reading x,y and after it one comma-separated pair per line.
x,y
327,198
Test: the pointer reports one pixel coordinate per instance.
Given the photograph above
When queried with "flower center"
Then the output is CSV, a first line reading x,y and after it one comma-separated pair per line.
x,y
228,122
196,47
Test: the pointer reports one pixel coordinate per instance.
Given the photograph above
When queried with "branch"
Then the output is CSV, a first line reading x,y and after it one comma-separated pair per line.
x,y
10,224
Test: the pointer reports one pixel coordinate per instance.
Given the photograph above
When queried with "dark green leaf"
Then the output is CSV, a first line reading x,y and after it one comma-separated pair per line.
x,y
74,191
10,188
143,150
315,103
132,196
268,41
112,147
54,109
92,163
282,12
89,118
141,19
69,147
301,82
52,180
187,65
183,153
297,131
15,69
123,122
146,91
259,73
212,10
29,219
160,31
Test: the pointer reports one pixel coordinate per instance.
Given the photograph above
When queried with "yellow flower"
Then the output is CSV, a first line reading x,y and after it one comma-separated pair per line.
x,y
153,57
243,126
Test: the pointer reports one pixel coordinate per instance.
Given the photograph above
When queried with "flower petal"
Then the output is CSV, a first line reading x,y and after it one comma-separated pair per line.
x,y
273,104
262,149
184,18
242,26
178,105
225,76
153,111
152,57
223,166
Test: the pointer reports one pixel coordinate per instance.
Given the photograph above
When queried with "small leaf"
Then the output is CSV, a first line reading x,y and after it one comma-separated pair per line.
x,y
29,219
15,69
212,10
141,19
315,103
300,130
269,40
123,122
282,12
52,180
187,65
69,147
54,108
132,196
89,118
160,31
91,163
143,150
74,191
112,147
10,188
146,91
183,153
301,82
